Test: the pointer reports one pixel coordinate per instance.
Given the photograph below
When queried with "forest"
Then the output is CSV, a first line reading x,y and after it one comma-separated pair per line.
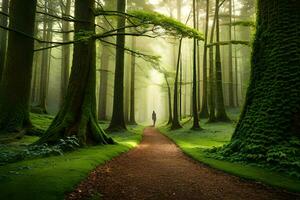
x,y
149,99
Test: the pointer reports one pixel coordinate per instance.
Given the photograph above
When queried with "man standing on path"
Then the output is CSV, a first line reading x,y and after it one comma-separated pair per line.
x,y
154,118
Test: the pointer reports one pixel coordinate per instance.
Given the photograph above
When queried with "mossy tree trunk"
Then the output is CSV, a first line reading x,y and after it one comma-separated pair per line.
x,y
270,118
3,36
175,121
117,122
77,115
220,107
16,83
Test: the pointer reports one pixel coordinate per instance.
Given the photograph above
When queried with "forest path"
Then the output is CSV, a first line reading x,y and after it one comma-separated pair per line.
x,y
157,169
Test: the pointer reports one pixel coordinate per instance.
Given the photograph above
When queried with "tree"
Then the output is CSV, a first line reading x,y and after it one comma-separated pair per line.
x,y
271,114
66,51
204,108
211,97
132,85
220,107
194,98
77,115
105,56
230,65
3,36
170,118
175,121
46,57
117,121
16,82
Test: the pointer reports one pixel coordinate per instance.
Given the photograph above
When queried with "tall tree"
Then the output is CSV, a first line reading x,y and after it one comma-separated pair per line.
x,y
170,118
175,121
194,90
204,107
105,56
117,120
77,115
132,84
211,97
46,57
230,63
220,107
271,116
66,51
16,83
3,36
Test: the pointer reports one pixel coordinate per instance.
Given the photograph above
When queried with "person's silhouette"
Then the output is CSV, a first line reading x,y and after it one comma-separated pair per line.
x,y
154,117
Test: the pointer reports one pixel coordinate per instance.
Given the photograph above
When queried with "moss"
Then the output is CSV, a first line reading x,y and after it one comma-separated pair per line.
x,y
53,177
265,133
196,145
169,24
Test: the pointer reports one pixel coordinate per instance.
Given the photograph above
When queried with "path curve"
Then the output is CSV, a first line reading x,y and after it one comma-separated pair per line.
x,y
157,169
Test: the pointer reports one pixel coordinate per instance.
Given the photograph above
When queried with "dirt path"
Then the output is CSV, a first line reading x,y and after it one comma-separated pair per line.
x,y
157,169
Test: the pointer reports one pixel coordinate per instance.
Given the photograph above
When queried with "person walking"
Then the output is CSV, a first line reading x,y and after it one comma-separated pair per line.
x,y
154,118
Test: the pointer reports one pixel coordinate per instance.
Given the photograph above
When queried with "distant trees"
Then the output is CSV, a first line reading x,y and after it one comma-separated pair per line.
x,y
16,82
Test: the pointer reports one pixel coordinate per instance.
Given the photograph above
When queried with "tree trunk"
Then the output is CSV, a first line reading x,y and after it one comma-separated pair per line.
x,y
77,115
196,125
230,65
169,100
175,121
132,85
3,37
117,122
65,52
221,113
211,97
204,108
46,57
270,118
105,56
16,84
235,64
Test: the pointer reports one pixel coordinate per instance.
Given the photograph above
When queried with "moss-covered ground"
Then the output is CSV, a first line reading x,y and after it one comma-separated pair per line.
x,y
195,144
52,177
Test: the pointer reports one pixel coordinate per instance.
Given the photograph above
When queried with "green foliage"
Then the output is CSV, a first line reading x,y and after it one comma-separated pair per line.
x,y
242,23
52,177
8,155
205,145
265,134
170,25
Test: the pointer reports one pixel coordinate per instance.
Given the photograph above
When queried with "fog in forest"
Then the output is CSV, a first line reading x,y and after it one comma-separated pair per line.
x,y
150,86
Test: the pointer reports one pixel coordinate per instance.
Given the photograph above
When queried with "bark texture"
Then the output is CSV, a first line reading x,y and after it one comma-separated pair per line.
x,y
268,129
77,115
16,83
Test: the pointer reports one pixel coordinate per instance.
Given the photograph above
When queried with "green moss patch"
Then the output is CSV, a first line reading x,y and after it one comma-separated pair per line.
x,y
196,144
